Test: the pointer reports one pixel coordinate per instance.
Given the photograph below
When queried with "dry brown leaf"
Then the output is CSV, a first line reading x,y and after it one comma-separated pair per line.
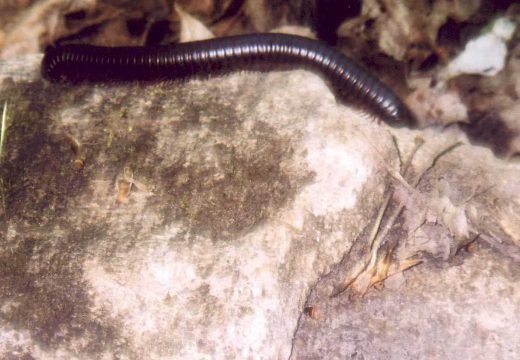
x,y
191,28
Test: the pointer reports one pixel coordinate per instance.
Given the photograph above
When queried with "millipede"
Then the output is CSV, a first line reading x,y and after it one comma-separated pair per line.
x,y
349,81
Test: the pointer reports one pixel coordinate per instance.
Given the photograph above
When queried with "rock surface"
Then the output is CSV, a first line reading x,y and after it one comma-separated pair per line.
x,y
196,220
466,311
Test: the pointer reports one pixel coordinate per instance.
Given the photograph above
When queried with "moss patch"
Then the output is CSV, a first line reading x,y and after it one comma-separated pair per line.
x,y
37,172
41,283
247,186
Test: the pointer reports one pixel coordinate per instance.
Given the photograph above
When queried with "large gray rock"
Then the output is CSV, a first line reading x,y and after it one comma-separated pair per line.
x,y
244,193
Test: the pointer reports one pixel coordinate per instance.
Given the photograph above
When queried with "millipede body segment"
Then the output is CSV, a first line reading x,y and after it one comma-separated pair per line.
x,y
258,52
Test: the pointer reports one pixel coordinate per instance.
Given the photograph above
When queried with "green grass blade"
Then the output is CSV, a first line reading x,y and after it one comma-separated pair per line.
x,y
3,129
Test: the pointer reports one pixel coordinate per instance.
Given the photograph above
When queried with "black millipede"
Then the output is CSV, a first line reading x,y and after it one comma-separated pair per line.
x,y
259,52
